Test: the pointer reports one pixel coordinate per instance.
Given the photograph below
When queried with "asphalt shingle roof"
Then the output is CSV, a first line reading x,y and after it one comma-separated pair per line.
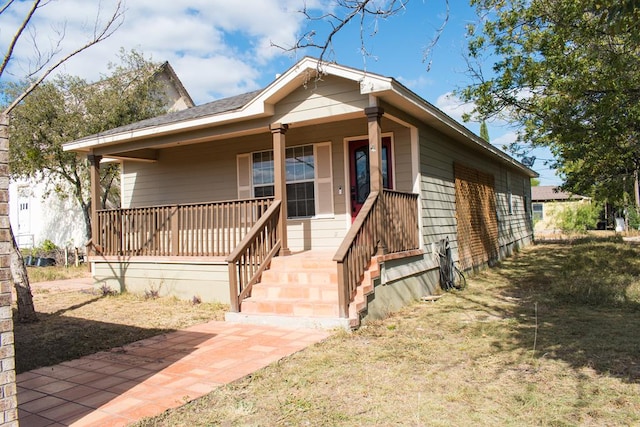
x,y
209,109
543,193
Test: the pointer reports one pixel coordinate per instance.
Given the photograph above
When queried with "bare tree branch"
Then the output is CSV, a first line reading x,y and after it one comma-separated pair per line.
x,y
6,6
100,34
426,56
16,36
353,9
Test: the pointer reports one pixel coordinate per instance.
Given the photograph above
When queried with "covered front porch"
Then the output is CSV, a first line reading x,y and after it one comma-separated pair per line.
x,y
235,241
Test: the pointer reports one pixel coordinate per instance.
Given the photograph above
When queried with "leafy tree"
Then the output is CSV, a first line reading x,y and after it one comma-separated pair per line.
x,y
535,182
484,132
43,65
69,108
567,72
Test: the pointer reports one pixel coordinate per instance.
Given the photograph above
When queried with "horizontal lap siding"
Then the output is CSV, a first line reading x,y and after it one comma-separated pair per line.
x,y
437,156
330,96
190,174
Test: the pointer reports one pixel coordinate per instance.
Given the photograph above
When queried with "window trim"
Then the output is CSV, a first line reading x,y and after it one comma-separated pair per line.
x,y
316,180
534,211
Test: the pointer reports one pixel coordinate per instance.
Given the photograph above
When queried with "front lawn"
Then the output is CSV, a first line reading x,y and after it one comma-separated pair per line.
x,y
549,337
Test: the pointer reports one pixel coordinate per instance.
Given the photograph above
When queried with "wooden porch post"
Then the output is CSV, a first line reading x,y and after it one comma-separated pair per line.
x,y
374,114
375,147
280,181
94,173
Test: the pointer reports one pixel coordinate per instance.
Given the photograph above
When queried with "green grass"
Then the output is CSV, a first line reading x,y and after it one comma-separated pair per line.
x,y
549,337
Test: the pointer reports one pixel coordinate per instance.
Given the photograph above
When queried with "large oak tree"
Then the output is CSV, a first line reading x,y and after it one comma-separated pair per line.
x,y
567,72
45,63
68,108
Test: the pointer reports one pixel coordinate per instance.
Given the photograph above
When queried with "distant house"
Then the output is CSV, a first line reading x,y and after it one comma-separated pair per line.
x,y
547,202
37,214
314,200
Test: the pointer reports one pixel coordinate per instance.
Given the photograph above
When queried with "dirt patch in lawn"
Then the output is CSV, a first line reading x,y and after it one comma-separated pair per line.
x,y
549,337
75,324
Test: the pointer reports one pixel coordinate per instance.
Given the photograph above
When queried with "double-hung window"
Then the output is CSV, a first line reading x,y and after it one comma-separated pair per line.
x,y
300,174
300,171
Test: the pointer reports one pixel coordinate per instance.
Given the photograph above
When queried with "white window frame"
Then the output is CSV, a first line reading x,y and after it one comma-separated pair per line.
x,y
316,179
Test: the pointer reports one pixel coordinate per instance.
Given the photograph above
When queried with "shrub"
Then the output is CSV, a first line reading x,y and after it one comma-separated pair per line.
x,y
48,246
579,219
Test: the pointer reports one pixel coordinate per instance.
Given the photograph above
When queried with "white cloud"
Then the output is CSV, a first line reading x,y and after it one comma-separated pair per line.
x,y
416,84
218,47
505,139
453,106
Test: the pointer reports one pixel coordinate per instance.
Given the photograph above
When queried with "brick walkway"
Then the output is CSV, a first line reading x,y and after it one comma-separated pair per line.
x,y
118,387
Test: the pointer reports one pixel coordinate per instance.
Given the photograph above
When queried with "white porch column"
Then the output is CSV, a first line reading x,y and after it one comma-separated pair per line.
x,y
278,131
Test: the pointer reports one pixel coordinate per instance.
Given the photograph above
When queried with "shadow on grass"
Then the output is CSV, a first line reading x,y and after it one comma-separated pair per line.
x,y
578,302
57,338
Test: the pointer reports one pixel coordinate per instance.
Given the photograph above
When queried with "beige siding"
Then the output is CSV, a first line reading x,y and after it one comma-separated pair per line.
x,y
328,97
189,174
210,282
209,172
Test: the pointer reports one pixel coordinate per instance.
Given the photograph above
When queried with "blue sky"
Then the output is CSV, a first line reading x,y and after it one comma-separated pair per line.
x,y
221,48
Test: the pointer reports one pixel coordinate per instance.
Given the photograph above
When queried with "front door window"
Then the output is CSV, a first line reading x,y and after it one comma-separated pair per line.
x,y
359,167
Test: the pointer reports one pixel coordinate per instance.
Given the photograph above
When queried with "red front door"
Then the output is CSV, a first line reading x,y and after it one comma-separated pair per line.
x,y
359,171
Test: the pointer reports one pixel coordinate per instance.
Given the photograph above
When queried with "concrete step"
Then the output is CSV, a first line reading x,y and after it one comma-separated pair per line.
x,y
317,292
290,307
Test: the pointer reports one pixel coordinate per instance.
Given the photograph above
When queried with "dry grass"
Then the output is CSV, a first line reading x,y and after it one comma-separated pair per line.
x,y
46,274
75,324
550,337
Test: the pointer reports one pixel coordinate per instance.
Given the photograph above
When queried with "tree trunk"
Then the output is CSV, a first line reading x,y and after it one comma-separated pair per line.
x,y
86,213
26,310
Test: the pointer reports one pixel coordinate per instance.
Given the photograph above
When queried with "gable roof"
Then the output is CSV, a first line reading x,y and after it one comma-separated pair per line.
x,y
547,193
168,70
260,104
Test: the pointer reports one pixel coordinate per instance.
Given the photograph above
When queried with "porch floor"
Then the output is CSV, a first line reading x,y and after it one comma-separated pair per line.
x,y
142,379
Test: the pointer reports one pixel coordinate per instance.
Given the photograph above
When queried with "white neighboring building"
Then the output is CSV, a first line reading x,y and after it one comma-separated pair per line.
x,y
37,216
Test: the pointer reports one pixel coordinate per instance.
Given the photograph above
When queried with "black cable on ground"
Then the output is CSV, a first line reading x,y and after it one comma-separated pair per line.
x,y
448,270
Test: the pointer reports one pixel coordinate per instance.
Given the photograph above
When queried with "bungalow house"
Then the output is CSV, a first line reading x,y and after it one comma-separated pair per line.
x,y
547,202
324,197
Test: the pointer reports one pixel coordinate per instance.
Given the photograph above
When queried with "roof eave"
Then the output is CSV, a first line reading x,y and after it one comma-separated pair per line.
x,y
450,124
251,110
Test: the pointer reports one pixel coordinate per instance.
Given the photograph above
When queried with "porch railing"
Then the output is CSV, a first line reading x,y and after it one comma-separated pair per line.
x,y
253,255
386,223
198,229
400,230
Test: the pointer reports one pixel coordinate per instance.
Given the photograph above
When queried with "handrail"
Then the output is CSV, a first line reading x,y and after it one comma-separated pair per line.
x,y
169,205
252,256
387,222
355,252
